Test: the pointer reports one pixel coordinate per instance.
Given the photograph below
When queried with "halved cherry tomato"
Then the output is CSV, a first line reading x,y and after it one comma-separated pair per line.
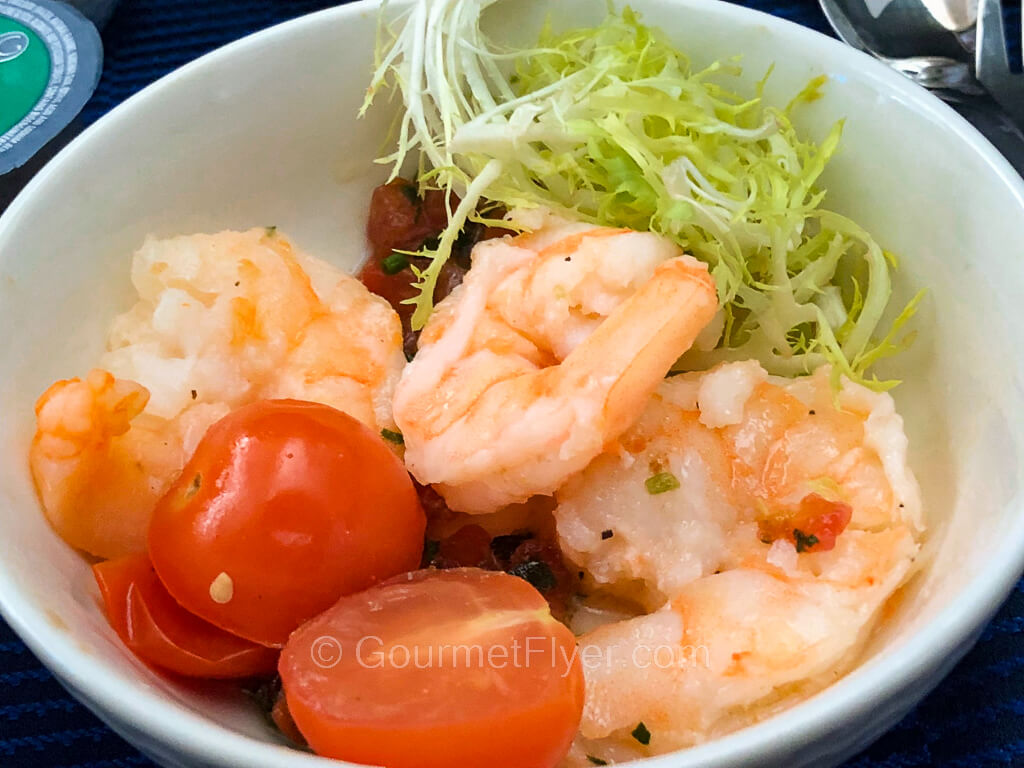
x,y
162,633
437,669
284,507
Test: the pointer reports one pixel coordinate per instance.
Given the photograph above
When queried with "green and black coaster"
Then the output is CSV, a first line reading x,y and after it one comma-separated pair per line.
x,y
50,63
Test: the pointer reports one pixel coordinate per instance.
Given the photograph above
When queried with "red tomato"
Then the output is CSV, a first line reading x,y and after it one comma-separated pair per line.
x,y
437,669
284,507
813,527
162,633
285,724
819,522
468,546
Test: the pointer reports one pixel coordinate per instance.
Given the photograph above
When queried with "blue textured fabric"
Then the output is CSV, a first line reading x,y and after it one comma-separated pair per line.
x,y
974,720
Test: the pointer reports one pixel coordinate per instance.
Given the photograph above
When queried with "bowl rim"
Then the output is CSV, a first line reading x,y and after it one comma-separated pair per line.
x,y
192,735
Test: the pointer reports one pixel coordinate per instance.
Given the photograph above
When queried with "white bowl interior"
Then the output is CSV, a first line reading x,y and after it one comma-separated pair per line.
x,y
264,133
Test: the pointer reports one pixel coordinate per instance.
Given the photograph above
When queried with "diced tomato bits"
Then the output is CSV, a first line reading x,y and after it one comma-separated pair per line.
x,y
401,220
469,547
813,527
824,519
528,554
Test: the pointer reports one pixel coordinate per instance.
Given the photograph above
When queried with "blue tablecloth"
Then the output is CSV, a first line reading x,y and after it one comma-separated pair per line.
x,y
974,720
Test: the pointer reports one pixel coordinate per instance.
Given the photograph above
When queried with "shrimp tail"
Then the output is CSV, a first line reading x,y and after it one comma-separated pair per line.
x,y
74,457
644,335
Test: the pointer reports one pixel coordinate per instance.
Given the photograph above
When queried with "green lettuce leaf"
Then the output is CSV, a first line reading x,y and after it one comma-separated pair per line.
x,y
611,124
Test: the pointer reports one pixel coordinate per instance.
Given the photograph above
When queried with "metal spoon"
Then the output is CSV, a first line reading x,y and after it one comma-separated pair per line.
x,y
907,36
938,55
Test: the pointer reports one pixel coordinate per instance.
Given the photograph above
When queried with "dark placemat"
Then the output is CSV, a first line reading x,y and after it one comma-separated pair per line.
x,y
974,720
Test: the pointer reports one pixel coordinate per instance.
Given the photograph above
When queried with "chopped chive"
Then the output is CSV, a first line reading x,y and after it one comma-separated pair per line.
x,y
596,760
392,437
270,231
410,192
537,573
394,263
641,734
431,547
804,541
661,482
504,546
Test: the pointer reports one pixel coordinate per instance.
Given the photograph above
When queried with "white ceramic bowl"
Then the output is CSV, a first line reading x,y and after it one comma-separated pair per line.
x,y
263,132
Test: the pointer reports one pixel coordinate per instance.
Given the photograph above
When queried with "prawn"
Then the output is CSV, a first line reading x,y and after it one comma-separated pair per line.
x,y
757,525
221,320
548,350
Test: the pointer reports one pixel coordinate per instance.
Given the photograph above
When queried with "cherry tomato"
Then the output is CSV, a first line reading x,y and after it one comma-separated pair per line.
x,y
162,633
285,724
284,507
437,669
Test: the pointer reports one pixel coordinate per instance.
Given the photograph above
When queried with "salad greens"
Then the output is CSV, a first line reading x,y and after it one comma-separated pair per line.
x,y
611,124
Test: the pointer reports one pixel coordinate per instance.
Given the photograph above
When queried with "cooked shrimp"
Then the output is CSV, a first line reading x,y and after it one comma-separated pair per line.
x,y
549,349
764,523
221,320
100,463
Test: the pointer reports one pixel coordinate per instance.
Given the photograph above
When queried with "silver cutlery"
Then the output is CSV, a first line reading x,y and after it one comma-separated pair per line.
x,y
993,63
965,66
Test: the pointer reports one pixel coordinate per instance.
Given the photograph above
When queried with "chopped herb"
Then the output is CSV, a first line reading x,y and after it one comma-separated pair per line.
x,y
537,572
392,436
194,394
661,482
264,694
596,760
270,231
804,541
430,550
410,193
607,534
641,734
394,263
504,546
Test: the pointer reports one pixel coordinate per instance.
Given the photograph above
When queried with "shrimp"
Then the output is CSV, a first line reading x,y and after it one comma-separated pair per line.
x,y
221,320
549,349
100,464
758,525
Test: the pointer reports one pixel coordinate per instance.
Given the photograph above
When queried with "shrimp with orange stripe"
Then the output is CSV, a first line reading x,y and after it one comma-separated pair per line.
x,y
221,321
548,351
754,527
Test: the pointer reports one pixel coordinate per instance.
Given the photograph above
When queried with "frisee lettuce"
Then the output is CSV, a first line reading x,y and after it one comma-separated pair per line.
x,y
611,124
